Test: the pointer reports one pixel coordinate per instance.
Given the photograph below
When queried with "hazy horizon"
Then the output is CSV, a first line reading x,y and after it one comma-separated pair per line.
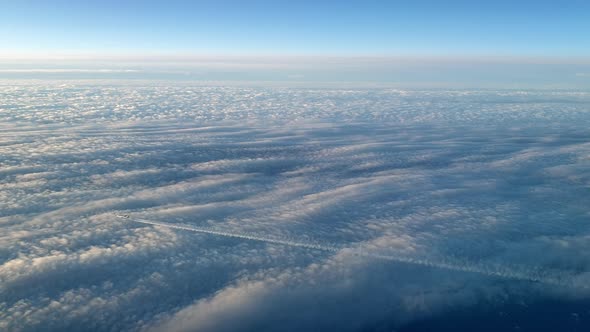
x,y
400,71
458,44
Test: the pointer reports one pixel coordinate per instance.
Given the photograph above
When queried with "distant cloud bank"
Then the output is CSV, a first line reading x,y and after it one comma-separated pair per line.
x,y
399,71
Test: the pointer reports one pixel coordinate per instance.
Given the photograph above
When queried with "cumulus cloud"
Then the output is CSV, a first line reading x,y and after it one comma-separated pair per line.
x,y
480,181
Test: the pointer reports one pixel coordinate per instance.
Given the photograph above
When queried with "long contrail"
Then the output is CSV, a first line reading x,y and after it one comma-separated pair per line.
x,y
495,270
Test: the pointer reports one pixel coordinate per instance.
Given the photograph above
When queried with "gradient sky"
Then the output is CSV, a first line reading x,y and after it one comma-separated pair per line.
x,y
419,42
553,28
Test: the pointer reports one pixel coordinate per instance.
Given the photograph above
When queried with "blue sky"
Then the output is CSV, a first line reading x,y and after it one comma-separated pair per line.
x,y
410,43
539,28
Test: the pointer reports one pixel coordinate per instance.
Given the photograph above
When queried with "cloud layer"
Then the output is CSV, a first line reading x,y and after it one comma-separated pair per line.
x,y
480,179
425,72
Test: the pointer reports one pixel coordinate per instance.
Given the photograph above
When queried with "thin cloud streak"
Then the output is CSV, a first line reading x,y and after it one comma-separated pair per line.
x,y
66,70
443,263
398,71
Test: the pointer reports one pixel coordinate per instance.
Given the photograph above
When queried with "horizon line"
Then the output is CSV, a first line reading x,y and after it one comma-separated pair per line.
x,y
187,57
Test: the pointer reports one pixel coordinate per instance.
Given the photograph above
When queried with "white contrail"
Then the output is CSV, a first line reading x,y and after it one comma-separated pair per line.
x,y
245,236
507,272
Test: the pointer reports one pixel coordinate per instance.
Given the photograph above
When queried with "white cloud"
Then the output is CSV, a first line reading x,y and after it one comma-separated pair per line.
x,y
479,179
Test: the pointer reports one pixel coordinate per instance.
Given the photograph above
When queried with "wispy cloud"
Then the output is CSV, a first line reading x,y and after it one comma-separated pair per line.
x,y
321,70
66,70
